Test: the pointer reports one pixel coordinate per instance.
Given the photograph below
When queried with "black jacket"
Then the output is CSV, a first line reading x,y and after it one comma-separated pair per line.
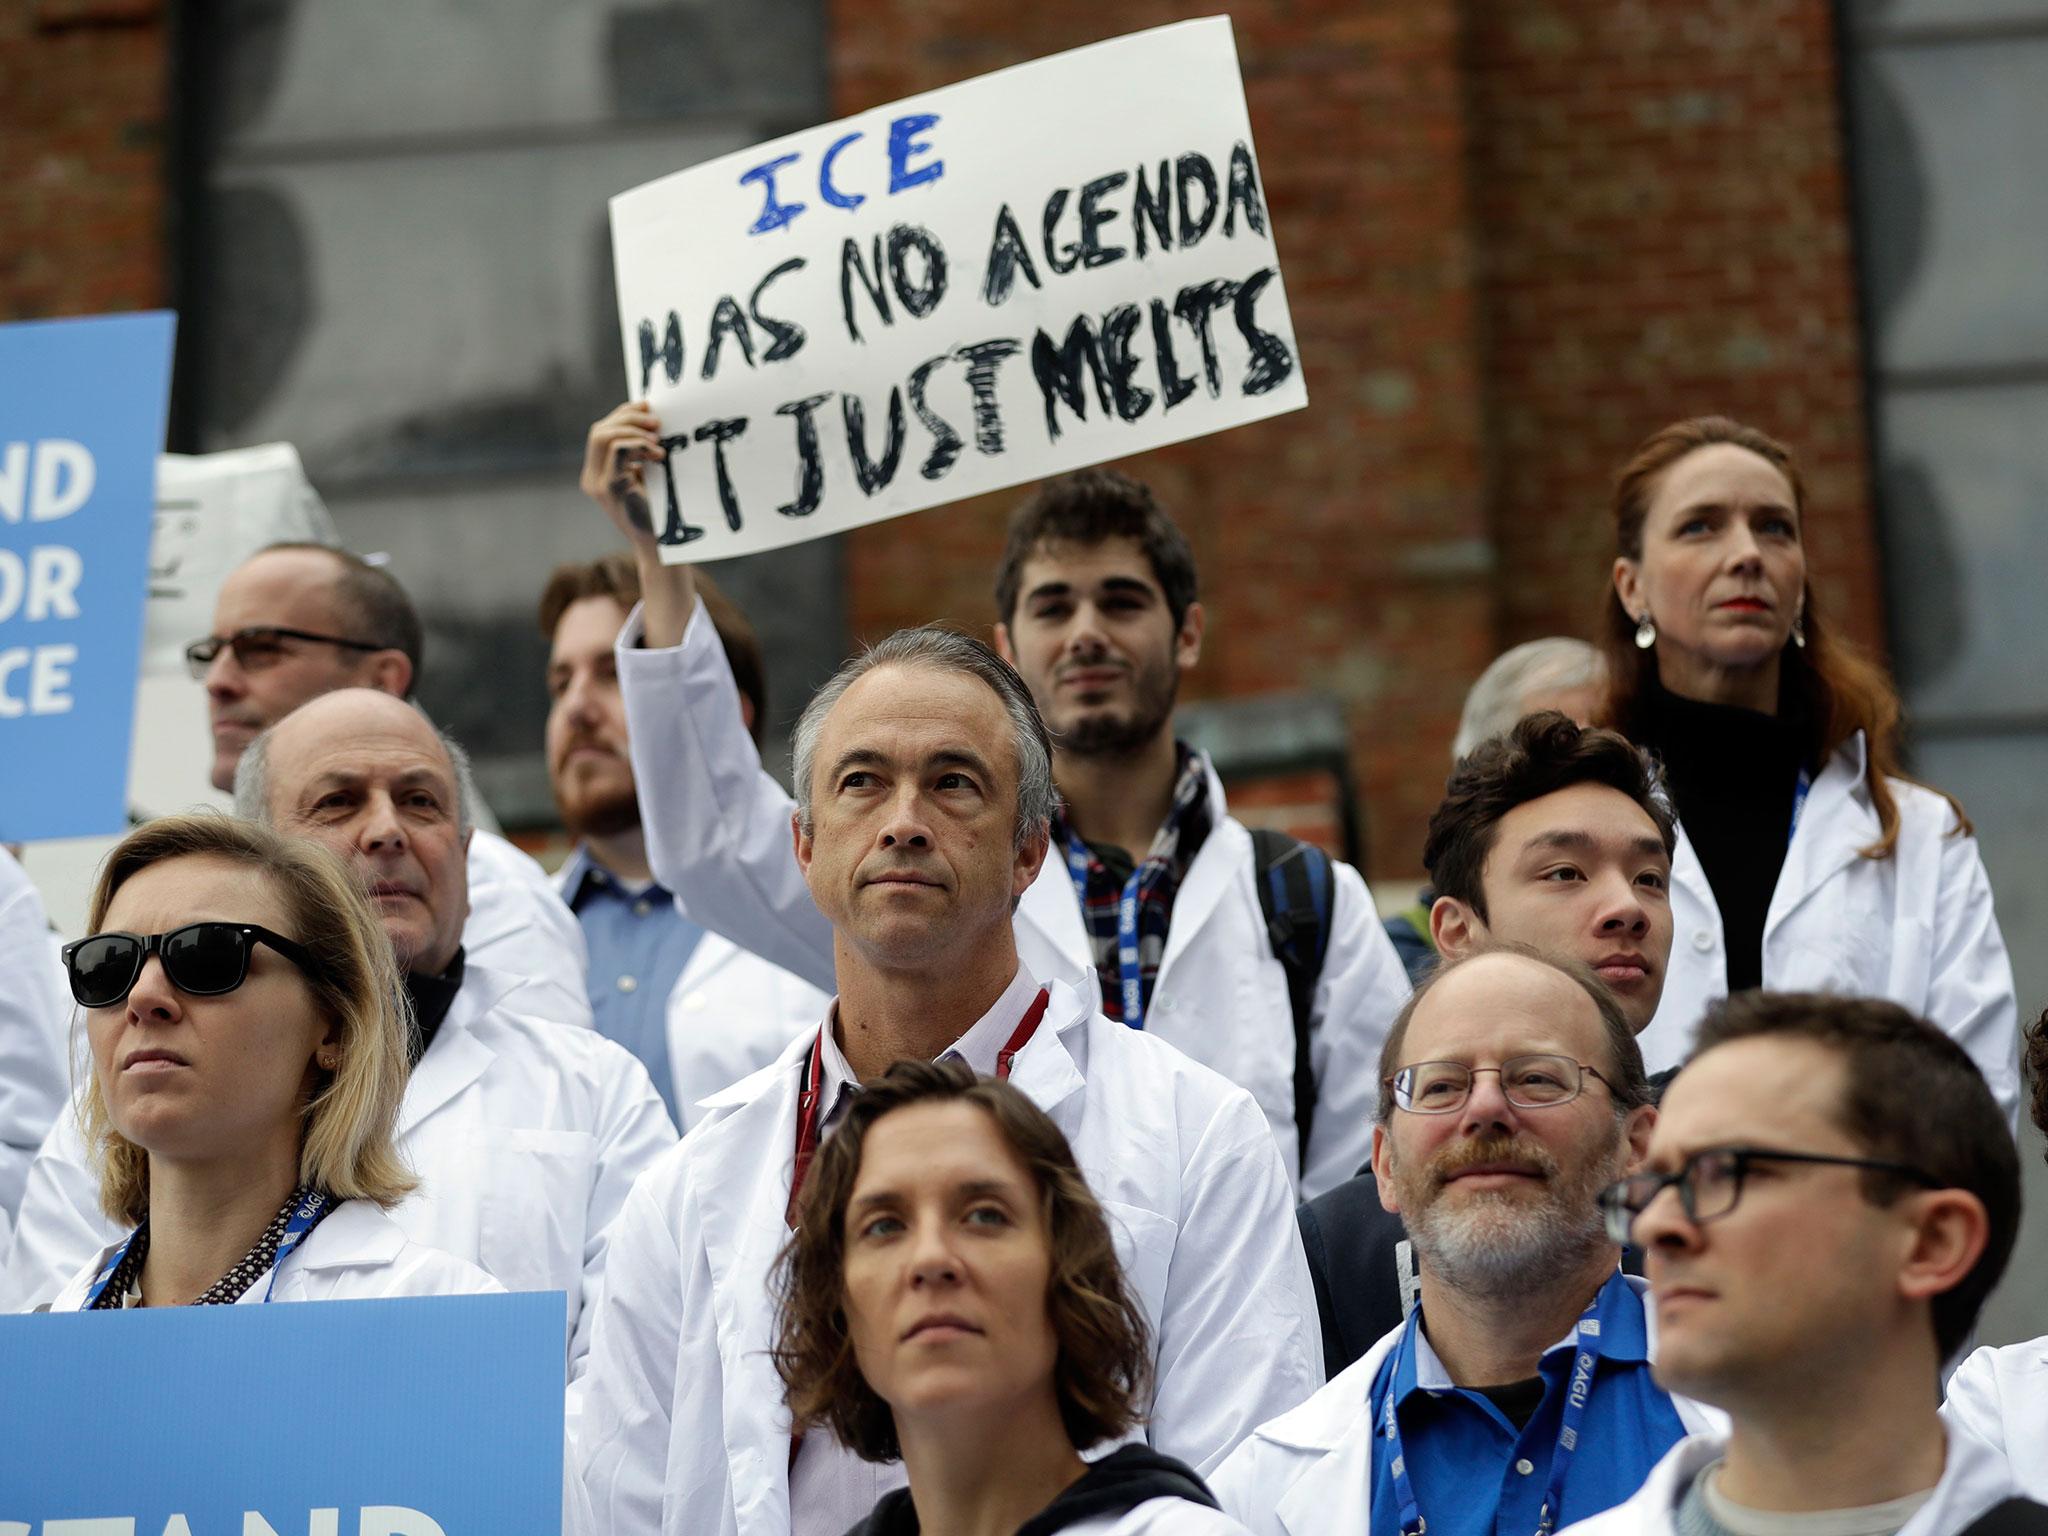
x,y
1115,1485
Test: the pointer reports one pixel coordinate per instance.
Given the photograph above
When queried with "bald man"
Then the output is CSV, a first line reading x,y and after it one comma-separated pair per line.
x,y
526,1133
295,621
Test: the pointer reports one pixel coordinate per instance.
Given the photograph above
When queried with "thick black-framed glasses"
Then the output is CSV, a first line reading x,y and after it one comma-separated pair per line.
x,y
201,959
258,647
1709,1183
1536,1081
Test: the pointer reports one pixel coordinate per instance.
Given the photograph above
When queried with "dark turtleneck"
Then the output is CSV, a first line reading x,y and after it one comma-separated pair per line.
x,y
1733,774
432,997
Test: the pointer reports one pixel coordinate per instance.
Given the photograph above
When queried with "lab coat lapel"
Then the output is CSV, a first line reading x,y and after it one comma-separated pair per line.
x,y
1051,938
1224,854
1335,1493
1045,1070
457,1057
1837,821
745,1163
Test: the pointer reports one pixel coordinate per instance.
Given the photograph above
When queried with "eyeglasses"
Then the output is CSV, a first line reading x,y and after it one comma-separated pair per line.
x,y
1528,1082
201,959
259,647
1709,1183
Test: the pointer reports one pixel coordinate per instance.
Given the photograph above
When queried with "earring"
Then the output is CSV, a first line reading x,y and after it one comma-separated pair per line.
x,y
1799,629
1646,633
328,1061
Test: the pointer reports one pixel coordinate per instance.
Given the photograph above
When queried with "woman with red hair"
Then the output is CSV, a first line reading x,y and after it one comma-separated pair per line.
x,y
1805,860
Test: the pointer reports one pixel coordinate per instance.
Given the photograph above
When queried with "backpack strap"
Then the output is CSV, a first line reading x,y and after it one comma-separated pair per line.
x,y
1297,894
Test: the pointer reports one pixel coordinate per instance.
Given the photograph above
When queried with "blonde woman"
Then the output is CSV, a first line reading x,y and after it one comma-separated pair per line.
x,y
247,1038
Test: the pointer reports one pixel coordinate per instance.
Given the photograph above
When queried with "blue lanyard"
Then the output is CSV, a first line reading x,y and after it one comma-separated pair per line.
x,y
303,1219
1799,793
1129,973
1586,1355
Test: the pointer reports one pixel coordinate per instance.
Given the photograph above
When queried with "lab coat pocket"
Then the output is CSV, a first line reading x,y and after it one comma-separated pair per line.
x,y
535,1207
1144,1242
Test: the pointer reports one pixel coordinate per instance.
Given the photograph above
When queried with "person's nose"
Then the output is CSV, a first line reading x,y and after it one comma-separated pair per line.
x,y
1622,910
579,701
1087,637
380,831
907,823
1486,1108
1743,553
225,679
153,1000
933,1261
1663,1225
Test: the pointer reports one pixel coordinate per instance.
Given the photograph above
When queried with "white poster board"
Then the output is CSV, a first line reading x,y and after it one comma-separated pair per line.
x,y
1054,265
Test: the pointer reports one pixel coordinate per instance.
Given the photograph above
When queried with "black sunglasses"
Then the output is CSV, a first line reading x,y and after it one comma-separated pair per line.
x,y
201,959
1709,1183
259,647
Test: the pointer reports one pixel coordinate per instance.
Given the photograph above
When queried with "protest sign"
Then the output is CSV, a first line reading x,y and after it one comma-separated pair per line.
x,y
1053,265
82,407
428,1416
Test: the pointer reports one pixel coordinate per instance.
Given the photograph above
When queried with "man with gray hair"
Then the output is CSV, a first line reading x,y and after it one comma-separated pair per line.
x,y
1555,673
924,787
526,1133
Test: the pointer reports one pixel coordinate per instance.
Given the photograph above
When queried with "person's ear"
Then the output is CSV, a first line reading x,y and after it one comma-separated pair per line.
x,y
1383,1170
1187,645
1635,1137
1030,859
1948,1231
800,840
390,672
1628,585
1455,928
1004,648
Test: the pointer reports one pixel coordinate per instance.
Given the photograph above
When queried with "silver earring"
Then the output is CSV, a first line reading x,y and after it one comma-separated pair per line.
x,y
1799,630
1646,633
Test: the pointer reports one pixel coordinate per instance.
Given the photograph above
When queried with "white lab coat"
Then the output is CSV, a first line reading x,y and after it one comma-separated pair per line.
x,y
1161,1517
1916,928
1972,1481
1309,1472
684,1429
520,925
357,1253
33,1007
525,1134
2000,1398
729,1014
718,836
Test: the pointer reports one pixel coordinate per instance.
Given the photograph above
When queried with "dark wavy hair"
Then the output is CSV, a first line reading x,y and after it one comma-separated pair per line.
x,y
1090,507
1103,1371
1828,685
2034,1059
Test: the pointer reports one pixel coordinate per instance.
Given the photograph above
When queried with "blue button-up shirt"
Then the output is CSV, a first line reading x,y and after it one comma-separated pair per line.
x,y
1475,1474
639,943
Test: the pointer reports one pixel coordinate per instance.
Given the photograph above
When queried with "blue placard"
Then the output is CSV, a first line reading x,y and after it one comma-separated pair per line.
x,y
432,1414
82,406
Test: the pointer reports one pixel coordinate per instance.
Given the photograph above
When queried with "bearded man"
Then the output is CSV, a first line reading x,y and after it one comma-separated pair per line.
x,y
1518,1394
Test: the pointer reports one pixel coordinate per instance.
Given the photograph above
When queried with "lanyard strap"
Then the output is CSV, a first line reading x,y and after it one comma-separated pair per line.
x,y
808,1110
1586,1345
311,1207
1800,791
1130,974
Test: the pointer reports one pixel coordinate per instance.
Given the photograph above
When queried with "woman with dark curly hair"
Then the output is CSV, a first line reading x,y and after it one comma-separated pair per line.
x,y
1805,860
951,1296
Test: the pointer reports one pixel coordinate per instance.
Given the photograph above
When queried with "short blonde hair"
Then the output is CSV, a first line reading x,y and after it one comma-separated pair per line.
x,y
351,1120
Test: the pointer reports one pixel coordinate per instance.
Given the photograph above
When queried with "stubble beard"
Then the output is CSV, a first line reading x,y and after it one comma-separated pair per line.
x,y
1499,1244
602,814
1110,734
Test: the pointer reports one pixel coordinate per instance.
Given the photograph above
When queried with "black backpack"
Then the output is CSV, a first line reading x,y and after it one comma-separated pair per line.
x,y
1297,896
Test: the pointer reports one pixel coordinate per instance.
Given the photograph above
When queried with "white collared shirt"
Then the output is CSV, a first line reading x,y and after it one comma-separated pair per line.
x,y
830,1488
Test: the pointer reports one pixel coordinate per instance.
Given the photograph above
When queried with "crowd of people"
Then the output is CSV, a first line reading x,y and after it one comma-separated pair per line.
x,y
999,1138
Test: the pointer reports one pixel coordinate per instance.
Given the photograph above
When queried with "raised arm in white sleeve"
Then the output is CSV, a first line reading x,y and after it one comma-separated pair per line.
x,y
716,822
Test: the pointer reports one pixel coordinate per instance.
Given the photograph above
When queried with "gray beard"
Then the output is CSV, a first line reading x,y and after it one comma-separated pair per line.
x,y
1499,1247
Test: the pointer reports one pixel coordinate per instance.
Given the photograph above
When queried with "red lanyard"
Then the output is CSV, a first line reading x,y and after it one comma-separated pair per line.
x,y
813,1079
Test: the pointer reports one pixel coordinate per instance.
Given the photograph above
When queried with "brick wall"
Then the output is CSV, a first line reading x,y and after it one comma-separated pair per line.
x,y
81,157
1517,234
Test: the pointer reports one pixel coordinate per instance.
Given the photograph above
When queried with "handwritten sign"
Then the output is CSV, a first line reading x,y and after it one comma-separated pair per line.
x,y
82,407
1053,265
427,1416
